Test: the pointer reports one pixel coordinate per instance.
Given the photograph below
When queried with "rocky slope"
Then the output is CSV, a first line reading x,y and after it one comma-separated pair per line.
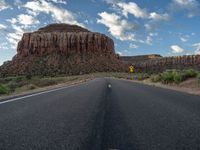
x,y
62,49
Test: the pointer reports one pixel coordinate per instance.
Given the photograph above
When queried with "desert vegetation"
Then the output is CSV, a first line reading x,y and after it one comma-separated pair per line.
x,y
174,76
19,84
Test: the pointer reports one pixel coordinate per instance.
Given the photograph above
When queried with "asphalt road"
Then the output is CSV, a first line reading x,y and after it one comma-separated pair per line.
x,y
92,116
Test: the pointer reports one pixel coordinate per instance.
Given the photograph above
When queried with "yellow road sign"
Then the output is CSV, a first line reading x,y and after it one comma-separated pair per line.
x,y
131,69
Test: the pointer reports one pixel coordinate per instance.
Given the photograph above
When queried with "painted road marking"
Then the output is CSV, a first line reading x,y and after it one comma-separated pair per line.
x,y
109,86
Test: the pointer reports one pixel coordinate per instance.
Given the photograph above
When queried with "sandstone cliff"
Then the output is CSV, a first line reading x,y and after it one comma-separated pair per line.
x,y
164,63
62,49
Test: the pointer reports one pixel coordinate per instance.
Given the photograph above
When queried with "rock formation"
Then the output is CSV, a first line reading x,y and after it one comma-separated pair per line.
x,y
62,49
164,63
139,58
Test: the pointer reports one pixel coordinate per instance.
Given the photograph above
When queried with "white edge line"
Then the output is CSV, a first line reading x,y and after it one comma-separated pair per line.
x,y
40,93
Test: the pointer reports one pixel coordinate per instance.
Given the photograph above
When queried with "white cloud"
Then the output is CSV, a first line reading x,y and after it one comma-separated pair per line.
x,y
149,26
114,2
3,45
3,5
27,19
117,26
191,6
177,49
159,17
2,26
153,34
126,8
155,20
197,46
149,40
59,1
133,9
59,15
133,46
183,39
12,20
14,37
18,3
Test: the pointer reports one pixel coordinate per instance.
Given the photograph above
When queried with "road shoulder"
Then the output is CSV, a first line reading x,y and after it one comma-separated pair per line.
x,y
193,91
41,90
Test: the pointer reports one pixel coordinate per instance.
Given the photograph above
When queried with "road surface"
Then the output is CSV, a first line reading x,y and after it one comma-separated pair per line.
x,y
102,114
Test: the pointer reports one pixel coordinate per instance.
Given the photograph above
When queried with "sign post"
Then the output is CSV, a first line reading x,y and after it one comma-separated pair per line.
x,y
131,69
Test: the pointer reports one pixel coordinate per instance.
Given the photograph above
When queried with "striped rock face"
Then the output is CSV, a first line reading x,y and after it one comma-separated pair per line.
x,y
62,49
66,39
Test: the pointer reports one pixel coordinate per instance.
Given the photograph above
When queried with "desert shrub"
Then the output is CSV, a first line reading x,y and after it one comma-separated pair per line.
x,y
190,73
4,89
18,79
178,77
167,76
11,79
7,79
45,82
142,76
13,86
31,87
28,76
2,81
26,88
156,78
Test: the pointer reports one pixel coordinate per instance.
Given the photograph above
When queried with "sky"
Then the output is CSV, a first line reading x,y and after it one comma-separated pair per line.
x,y
138,27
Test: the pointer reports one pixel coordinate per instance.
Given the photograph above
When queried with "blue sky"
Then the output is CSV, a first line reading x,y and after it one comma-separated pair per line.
x,y
166,27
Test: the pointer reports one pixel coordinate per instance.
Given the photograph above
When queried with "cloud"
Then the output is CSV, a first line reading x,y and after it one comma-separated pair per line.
x,y
197,46
12,20
153,34
114,2
126,8
14,37
3,5
149,40
4,45
59,1
132,8
2,27
159,17
133,46
150,26
177,49
27,19
59,15
117,26
190,6
183,39
155,20
18,3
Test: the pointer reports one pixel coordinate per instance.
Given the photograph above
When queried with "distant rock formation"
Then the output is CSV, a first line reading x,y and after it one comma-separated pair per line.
x,y
62,49
163,63
139,58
